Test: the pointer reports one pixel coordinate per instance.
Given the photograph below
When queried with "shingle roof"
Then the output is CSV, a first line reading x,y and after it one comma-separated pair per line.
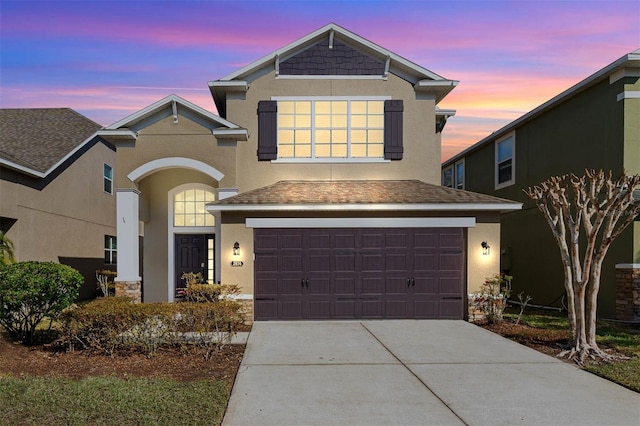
x,y
360,192
38,138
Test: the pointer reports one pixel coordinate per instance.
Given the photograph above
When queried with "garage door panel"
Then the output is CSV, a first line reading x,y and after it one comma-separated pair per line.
x,y
319,286
345,262
397,286
450,309
320,262
450,261
291,240
265,309
359,273
372,309
396,262
372,263
396,309
344,286
423,239
425,286
424,309
291,309
266,287
372,286
345,309
291,263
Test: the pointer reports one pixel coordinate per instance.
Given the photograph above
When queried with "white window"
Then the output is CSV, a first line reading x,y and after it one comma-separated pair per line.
x,y
447,177
110,250
505,161
459,175
331,128
189,208
453,175
107,178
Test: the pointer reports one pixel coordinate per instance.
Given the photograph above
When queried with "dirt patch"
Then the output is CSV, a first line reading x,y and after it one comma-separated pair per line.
x,y
42,360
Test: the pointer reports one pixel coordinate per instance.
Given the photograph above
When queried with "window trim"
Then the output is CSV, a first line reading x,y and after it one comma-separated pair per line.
x,y
455,174
512,181
446,169
328,159
107,179
111,251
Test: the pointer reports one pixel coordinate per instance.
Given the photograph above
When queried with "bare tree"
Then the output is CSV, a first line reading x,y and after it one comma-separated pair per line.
x,y
603,207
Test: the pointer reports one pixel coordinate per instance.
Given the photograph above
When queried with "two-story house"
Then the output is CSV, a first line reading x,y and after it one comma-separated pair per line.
x,y
316,189
594,124
57,200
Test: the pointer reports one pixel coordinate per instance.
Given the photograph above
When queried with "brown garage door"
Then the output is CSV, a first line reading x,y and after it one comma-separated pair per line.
x,y
358,273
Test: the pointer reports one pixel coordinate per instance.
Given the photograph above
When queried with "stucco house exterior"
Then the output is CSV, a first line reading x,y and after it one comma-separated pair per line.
x,y
594,124
57,200
316,189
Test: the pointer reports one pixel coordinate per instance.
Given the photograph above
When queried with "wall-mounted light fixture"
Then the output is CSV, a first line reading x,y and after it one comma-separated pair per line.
x,y
236,249
486,248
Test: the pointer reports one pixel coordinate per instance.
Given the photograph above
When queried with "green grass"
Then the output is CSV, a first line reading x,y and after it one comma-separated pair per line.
x,y
110,401
624,339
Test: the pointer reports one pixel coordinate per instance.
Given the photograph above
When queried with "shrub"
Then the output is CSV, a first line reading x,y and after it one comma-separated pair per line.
x,y
197,291
492,297
115,323
31,291
105,281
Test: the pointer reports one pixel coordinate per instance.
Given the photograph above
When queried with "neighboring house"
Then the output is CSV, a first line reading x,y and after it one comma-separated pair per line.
x,y
316,190
57,200
594,124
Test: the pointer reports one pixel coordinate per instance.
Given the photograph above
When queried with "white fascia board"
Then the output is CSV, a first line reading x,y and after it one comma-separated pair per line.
x,y
162,103
365,207
23,169
445,112
282,52
118,135
236,134
357,222
229,86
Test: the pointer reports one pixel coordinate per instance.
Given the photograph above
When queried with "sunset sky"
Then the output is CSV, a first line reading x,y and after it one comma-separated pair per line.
x,y
108,59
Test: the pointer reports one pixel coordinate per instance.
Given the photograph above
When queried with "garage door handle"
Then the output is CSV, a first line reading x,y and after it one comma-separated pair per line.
x,y
304,283
411,282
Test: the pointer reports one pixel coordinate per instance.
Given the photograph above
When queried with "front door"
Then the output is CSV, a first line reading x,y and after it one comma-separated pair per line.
x,y
194,253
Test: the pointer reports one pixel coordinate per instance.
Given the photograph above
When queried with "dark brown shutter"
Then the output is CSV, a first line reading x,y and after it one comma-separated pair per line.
x,y
393,129
267,130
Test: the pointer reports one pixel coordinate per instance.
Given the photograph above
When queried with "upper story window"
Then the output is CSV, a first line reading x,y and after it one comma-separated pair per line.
x,y
459,175
453,175
110,250
107,178
189,208
505,161
331,128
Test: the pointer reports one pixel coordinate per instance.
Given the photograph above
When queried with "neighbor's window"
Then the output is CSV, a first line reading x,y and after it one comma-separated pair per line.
x,y
505,161
110,250
447,177
459,175
189,208
331,128
108,179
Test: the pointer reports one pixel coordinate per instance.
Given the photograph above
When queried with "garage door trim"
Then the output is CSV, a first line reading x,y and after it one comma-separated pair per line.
x,y
369,222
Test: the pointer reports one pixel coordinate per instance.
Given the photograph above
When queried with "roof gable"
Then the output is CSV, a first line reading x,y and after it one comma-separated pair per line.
x,y
331,58
126,130
37,140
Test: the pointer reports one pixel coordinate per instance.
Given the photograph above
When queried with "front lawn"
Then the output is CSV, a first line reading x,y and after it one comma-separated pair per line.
x,y
111,400
548,332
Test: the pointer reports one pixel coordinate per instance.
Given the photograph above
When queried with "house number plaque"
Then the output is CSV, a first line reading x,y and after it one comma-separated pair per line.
x,y
236,263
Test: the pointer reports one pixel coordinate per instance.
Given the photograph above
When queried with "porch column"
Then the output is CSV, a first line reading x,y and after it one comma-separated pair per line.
x,y
128,282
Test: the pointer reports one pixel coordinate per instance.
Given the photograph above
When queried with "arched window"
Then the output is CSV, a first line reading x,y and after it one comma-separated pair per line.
x,y
189,208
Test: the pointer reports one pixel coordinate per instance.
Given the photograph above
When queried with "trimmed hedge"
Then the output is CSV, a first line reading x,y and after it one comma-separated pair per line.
x,y
116,323
31,291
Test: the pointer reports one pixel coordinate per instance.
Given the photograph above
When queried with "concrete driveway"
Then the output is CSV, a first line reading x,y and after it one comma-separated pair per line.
x,y
414,373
